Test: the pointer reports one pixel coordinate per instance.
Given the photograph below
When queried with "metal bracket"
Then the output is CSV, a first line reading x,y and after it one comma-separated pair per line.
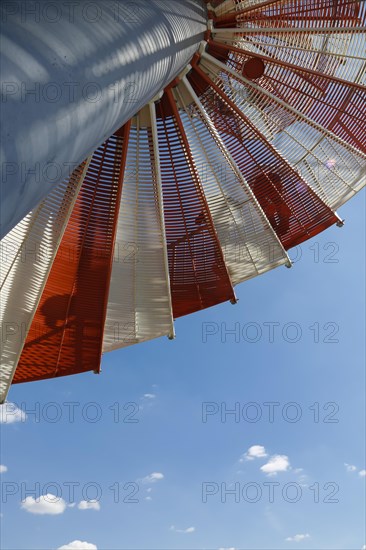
x,y
202,47
158,97
184,72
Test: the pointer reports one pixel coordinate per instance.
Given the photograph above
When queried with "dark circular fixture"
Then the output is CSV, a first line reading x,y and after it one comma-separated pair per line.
x,y
253,68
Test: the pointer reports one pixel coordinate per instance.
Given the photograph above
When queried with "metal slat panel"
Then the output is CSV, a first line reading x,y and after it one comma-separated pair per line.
x,y
297,13
334,169
71,313
27,253
249,243
198,274
295,212
139,302
319,93
243,157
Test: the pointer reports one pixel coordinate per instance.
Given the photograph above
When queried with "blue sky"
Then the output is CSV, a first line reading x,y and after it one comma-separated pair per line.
x,y
170,458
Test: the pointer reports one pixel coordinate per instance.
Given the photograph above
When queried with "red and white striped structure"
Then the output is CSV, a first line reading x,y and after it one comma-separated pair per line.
x,y
248,152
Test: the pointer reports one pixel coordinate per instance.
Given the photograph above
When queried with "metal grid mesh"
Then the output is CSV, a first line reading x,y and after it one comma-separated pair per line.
x,y
71,313
248,241
334,169
198,274
217,180
295,13
139,306
27,254
292,208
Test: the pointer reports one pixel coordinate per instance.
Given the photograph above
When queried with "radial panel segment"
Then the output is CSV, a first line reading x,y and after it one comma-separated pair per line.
x,y
198,274
339,53
319,93
67,331
297,13
295,212
248,241
139,303
27,253
333,168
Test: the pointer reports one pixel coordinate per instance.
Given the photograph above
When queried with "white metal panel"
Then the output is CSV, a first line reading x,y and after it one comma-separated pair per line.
x,y
139,303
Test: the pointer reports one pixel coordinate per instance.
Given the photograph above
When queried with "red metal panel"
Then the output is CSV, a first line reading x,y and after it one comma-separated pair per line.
x,y
295,212
198,275
67,331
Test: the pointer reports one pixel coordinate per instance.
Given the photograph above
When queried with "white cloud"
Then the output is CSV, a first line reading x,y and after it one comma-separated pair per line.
x,y
298,538
302,480
364,547
149,395
3,469
228,548
255,451
277,463
45,504
188,530
89,505
10,413
153,478
147,400
148,498
350,467
78,545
